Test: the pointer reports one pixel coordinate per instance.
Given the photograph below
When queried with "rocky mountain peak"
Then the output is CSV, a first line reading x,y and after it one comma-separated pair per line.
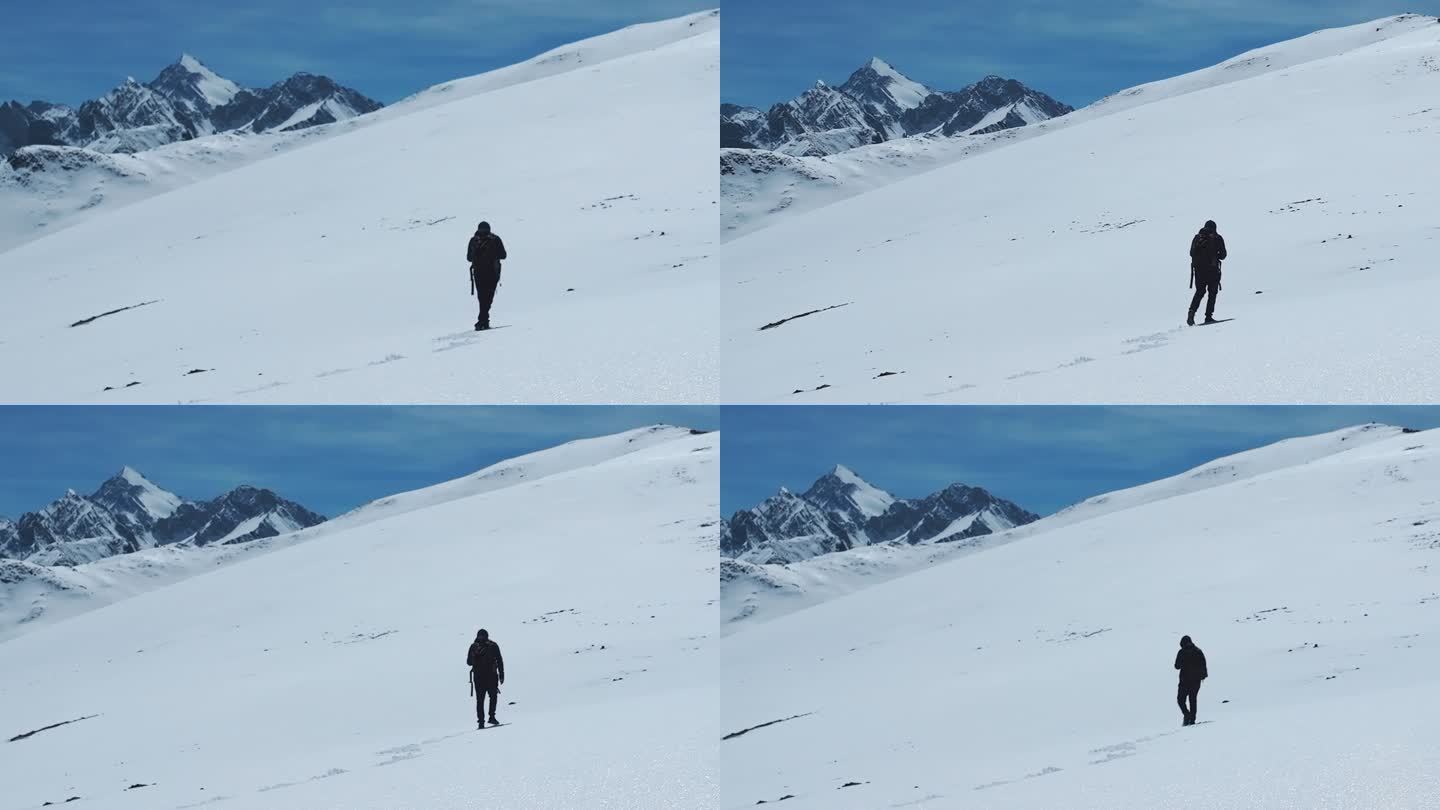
x,y
129,512
879,103
186,100
841,511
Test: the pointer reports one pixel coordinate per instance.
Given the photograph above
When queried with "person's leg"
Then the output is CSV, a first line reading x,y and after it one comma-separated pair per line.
x,y
494,692
478,278
485,284
1199,293
1180,699
1212,286
479,702
1194,701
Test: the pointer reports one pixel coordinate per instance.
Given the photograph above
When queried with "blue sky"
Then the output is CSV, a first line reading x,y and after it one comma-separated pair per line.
x,y
385,49
1076,52
1043,458
330,459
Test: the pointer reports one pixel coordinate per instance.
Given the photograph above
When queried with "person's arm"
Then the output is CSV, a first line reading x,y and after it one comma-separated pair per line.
x,y
500,663
470,656
499,248
1178,656
1204,668
1194,245
1220,254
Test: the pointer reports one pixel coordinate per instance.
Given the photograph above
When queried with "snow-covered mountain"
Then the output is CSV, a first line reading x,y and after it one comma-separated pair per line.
x,y
324,668
842,511
355,289
752,591
187,100
1305,570
1078,294
129,513
878,103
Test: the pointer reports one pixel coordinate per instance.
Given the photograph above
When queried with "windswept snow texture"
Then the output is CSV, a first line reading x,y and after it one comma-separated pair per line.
x,y
1038,673
1055,269
330,673
335,272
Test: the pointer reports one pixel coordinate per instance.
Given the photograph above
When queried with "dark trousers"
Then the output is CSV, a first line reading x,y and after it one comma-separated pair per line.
x,y
1206,281
483,688
485,283
1188,691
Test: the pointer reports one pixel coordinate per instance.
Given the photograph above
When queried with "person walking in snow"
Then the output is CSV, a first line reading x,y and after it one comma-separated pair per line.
x,y
487,672
1207,250
484,254
1191,663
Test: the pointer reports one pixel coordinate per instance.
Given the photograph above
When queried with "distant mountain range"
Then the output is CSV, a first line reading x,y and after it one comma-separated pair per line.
x,y
187,100
841,511
129,512
878,103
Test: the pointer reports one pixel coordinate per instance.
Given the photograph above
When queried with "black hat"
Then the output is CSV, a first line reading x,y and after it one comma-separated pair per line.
x,y
484,226
482,634
1209,224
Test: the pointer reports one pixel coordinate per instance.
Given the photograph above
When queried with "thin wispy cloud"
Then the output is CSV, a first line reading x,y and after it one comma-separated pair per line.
x,y
1042,457
331,459
383,49
1076,52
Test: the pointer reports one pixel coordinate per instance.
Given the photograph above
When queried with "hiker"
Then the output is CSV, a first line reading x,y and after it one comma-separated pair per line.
x,y
1207,250
484,254
1191,663
487,672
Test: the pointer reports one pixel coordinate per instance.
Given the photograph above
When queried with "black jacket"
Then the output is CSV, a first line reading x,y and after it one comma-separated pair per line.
x,y
484,657
485,252
1206,254
1191,663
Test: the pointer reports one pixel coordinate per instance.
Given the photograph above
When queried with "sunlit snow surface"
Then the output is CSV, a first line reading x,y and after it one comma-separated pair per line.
x,y
1037,672
333,270
326,670
1051,265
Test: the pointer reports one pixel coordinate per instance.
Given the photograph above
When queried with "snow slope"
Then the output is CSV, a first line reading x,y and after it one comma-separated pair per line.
x,y
761,188
752,200
34,595
755,591
1039,673
329,673
335,273
1055,269
75,184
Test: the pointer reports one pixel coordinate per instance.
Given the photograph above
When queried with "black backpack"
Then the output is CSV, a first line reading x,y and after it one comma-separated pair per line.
x,y
1203,250
485,248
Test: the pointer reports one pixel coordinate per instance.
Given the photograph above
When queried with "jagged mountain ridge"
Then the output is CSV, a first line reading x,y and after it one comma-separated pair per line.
x,y
878,103
129,512
186,100
841,511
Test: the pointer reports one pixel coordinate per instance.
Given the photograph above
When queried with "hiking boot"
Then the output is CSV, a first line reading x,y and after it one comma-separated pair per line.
x,y
493,721
1209,319
1190,319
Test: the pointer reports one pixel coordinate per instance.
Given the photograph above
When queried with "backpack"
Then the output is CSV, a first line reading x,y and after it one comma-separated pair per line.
x,y
481,655
479,245
1203,250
